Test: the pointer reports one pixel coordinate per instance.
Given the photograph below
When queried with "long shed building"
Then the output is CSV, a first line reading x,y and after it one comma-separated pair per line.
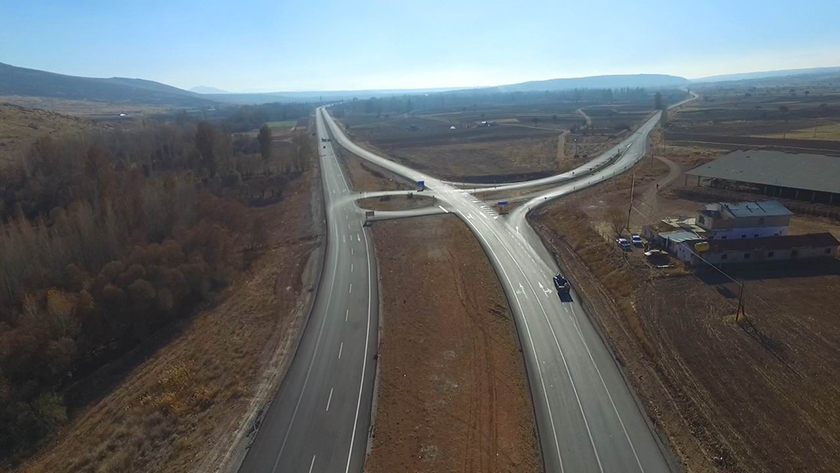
x,y
813,177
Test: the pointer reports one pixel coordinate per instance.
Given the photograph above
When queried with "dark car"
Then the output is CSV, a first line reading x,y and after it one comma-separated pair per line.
x,y
562,284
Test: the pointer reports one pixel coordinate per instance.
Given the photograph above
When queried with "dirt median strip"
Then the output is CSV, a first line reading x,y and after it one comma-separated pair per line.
x,y
453,393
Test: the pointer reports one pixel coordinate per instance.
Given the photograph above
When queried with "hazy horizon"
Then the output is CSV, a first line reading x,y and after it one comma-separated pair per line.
x,y
273,47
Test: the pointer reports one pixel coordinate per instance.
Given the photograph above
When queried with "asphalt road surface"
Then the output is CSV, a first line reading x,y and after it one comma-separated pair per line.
x,y
319,420
587,418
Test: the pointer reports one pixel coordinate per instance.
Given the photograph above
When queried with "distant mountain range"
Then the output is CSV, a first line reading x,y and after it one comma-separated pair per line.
x,y
317,96
768,74
203,89
31,82
595,82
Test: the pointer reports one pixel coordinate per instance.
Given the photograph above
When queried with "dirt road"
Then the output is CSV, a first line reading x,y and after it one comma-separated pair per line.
x,y
585,116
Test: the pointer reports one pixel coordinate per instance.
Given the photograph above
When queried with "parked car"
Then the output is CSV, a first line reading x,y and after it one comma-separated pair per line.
x,y
636,239
561,284
624,244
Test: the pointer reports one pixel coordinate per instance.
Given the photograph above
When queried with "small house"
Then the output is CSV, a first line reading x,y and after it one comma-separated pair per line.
x,y
727,221
775,248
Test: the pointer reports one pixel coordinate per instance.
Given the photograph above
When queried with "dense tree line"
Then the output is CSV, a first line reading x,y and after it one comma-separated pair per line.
x,y
107,238
465,99
250,117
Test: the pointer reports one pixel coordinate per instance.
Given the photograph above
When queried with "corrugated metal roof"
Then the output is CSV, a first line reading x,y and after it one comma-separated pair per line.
x,y
764,208
810,240
678,236
813,172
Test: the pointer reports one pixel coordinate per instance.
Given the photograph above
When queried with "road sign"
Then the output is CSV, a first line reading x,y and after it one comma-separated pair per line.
x,y
502,203
421,185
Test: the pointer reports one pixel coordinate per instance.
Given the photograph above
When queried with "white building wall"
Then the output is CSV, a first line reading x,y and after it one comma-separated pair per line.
x,y
757,232
682,251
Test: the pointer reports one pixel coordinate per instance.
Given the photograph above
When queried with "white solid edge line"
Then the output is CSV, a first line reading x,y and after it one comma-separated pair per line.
x,y
364,362
534,351
559,348
309,370
350,144
604,384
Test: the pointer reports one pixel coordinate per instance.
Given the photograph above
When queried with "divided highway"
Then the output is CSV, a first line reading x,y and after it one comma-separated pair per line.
x,y
319,420
587,417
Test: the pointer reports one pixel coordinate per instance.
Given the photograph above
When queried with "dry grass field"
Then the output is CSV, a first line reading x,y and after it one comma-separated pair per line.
x,y
20,127
525,141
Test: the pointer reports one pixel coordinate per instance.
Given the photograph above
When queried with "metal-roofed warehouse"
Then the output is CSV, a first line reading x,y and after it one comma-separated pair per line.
x,y
808,176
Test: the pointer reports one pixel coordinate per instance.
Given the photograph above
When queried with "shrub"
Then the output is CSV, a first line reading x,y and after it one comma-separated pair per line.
x,y
141,292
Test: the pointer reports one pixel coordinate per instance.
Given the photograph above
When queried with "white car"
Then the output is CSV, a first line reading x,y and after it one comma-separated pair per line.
x,y
636,239
624,244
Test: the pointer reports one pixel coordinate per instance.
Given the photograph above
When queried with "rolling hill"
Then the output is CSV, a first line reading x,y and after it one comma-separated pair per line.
x,y
34,83
595,82
203,89
769,74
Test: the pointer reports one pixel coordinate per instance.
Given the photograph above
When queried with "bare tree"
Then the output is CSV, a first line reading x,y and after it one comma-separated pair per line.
x,y
302,150
785,112
205,142
616,219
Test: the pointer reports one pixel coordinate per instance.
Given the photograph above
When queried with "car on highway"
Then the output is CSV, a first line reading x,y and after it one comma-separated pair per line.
x,y
636,239
561,284
624,244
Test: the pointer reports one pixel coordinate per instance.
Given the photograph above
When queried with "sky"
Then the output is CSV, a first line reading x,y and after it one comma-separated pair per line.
x,y
281,45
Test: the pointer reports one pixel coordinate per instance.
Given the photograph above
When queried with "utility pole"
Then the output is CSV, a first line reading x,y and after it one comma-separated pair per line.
x,y
652,150
741,310
632,188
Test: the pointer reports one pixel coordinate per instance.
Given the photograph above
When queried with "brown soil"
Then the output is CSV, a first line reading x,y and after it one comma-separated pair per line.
x,y
469,160
760,394
365,176
513,150
727,396
453,394
187,401
397,202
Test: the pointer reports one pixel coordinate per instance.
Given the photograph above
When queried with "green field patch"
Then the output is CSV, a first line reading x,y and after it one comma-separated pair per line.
x,y
284,125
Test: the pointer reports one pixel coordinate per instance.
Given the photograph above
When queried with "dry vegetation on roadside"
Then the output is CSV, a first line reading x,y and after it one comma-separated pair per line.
x,y
183,401
365,176
453,393
112,241
397,202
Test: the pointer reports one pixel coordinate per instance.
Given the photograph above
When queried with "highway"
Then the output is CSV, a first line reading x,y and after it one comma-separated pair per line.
x,y
319,419
587,417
